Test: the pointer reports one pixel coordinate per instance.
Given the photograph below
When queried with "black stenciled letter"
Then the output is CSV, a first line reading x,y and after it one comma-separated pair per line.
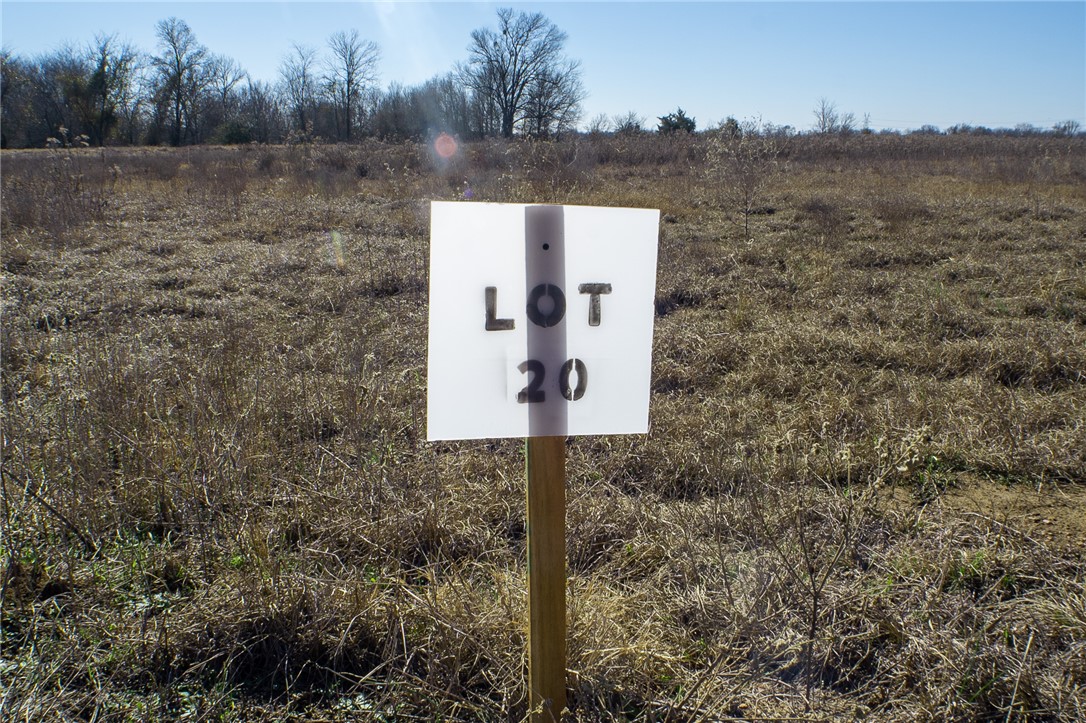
x,y
492,322
532,393
575,393
538,317
594,300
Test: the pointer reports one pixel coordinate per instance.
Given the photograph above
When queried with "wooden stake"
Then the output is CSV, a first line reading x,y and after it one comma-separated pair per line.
x,y
547,577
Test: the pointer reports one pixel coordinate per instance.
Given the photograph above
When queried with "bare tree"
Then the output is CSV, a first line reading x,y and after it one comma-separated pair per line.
x,y
1067,129
825,114
486,119
353,66
391,119
54,80
741,163
111,69
599,124
14,82
554,101
629,123
523,57
224,75
134,100
453,102
829,120
222,102
440,105
259,110
298,71
180,66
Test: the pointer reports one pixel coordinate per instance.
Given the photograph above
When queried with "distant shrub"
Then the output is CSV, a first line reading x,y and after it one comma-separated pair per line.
x,y
928,130
730,128
233,133
677,122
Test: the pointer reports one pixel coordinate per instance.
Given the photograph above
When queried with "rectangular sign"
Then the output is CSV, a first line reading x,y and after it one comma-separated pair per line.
x,y
540,320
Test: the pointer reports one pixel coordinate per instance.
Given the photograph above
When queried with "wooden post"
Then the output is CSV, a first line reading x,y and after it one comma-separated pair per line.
x,y
547,578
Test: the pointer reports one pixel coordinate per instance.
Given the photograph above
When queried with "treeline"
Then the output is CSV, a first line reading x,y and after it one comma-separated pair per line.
x,y
516,80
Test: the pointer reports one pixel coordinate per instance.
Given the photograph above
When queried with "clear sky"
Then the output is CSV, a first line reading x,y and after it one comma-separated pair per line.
x,y
905,64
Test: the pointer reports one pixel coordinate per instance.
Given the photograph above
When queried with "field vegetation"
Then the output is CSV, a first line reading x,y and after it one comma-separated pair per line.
x,y
863,495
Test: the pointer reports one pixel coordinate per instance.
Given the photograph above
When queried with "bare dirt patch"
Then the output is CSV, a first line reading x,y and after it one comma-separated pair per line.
x,y
1053,514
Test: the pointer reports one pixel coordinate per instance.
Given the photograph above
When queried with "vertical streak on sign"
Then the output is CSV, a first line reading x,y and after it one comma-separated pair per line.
x,y
545,265
545,282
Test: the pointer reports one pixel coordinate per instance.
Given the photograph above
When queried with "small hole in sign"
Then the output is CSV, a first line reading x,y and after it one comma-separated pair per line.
x,y
546,247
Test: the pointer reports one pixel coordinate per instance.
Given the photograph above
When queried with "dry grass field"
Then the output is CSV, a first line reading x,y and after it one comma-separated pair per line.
x,y
863,495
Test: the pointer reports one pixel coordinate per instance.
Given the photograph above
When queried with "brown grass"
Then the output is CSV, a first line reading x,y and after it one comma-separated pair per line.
x,y
861,496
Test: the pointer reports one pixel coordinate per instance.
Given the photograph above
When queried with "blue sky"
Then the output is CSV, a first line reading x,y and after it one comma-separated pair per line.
x,y
905,64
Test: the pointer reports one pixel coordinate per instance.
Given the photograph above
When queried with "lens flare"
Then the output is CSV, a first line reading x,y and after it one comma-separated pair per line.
x,y
445,146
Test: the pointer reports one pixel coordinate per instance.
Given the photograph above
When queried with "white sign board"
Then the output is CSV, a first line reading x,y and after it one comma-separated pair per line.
x,y
540,320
